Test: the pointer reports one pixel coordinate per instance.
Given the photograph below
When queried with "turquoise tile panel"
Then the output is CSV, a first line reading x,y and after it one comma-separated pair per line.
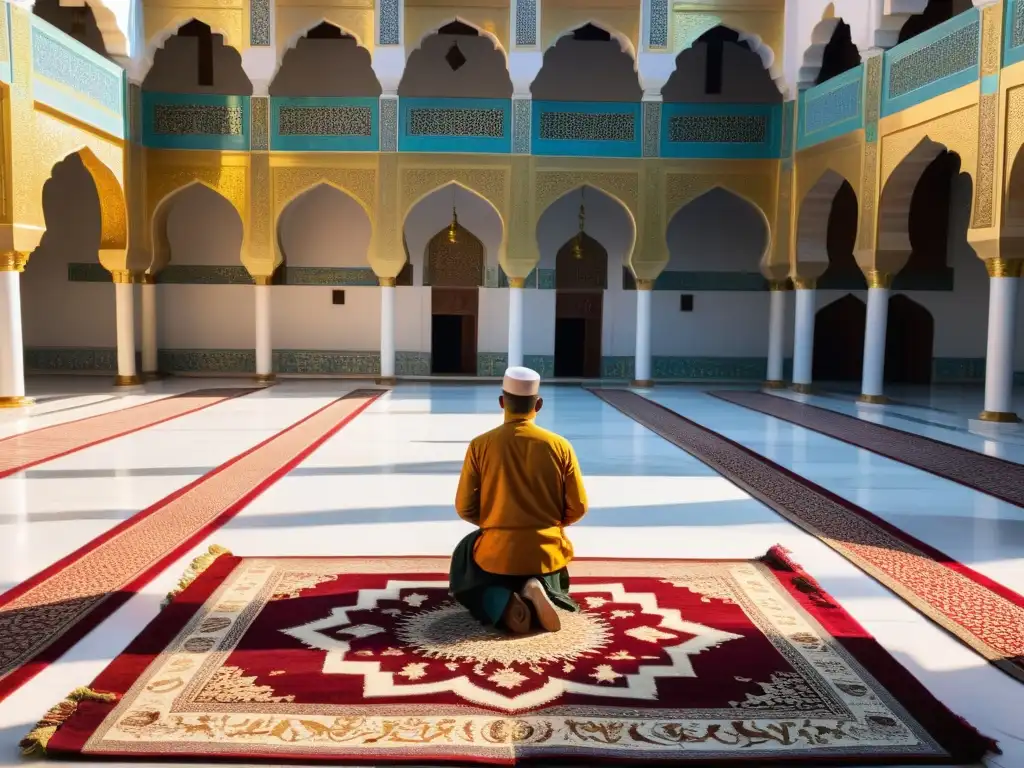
x,y
721,131
195,121
1013,32
331,276
201,274
542,364
937,61
479,126
989,84
710,281
75,80
831,109
326,362
85,359
5,43
788,129
546,279
412,363
587,129
491,363
323,124
710,368
87,273
617,367
954,369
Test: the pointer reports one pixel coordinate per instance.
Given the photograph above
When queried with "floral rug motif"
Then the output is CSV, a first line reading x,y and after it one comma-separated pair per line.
x,y
370,661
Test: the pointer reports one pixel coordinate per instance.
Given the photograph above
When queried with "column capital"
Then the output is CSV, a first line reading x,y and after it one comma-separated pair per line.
x,y
262,279
1004,267
516,282
121,276
779,285
805,283
386,282
13,261
878,279
146,278
644,284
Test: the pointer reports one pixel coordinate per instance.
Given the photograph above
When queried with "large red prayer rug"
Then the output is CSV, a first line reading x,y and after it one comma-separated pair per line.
x,y
19,452
370,661
983,614
41,618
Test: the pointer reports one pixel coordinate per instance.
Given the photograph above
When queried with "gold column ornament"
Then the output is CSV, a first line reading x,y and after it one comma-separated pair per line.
x,y
146,278
779,285
805,283
265,379
878,279
999,417
517,282
121,276
644,285
263,279
1004,267
873,399
386,282
16,402
802,389
13,261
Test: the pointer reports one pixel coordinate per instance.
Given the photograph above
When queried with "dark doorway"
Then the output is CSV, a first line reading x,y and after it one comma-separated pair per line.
x,y
908,342
570,339
453,331
839,340
578,334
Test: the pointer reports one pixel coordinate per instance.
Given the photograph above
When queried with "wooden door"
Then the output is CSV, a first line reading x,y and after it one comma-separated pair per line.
x,y
587,306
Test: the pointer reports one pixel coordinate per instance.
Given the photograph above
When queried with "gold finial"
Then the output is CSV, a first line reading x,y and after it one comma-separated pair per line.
x,y
453,228
577,243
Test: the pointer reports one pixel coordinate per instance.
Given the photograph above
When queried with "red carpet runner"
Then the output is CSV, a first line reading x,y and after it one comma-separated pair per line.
x,y
22,451
46,615
368,660
988,474
982,613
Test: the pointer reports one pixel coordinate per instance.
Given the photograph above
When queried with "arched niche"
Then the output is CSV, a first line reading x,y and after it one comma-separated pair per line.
x,y
457,61
72,214
936,12
606,221
721,66
928,220
717,232
581,264
78,22
588,64
196,59
324,227
434,211
197,226
458,264
825,231
326,61
1011,238
831,52
839,340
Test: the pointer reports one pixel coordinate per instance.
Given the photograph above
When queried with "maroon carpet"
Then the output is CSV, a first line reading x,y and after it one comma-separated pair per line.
x,y
988,474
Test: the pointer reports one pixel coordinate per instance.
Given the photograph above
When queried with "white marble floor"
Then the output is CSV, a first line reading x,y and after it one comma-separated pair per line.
x,y
384,485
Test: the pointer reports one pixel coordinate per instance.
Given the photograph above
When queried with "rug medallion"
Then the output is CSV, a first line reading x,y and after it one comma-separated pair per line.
x,y
370,660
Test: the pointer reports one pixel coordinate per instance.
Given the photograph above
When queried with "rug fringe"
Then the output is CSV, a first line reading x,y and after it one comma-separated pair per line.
x,y
38,738
195,568
781,559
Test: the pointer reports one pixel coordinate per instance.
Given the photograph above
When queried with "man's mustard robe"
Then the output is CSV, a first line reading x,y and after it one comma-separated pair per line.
x,y
522,485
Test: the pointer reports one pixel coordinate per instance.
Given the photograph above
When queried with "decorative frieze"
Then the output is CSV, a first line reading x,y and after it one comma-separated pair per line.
x,y
526,23
389,124
719,129
325,121
259,121
447,121
197,120
259,23
652,128
56,61
522,116
584,126
389,22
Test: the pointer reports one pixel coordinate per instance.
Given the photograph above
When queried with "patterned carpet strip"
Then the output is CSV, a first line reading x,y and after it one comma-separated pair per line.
x,y
19,452
369,661
983,614
46,615
988,474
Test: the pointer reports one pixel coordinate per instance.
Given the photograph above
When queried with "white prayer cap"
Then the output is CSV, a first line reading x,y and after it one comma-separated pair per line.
x,y
521,381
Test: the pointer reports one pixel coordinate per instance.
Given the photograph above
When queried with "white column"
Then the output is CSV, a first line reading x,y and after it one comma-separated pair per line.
x,y
515,321
149,344
124,302
387,330
873,374
803,335
264,348
776,332
642,363
1003,284
12,352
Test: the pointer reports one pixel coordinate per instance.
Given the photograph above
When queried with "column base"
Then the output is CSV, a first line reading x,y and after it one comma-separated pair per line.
x,y
773,384
153,375
873,399
386,381
802,389
265,379
16,401
999,417
642,383
127,381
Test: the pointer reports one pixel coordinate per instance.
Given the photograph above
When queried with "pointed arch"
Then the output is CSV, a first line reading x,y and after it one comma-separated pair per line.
x,y
602,228
161,245
718,224
814,217
460,20
625,44
459,264
897,193
113,208
159,39
296,201
826,32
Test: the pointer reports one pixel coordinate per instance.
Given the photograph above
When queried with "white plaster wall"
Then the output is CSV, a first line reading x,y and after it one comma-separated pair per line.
x,y
607,221
538,322
303,317
722,324
412,319
205,317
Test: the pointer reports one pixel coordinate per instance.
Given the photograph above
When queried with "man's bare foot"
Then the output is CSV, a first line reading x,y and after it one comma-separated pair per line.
x,y
517,616
547,614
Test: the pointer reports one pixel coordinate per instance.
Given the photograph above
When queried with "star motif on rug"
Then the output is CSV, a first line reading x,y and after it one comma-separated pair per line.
x,y
619,646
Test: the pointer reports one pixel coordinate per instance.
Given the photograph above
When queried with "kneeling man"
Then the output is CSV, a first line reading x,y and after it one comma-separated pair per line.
x,y
521,486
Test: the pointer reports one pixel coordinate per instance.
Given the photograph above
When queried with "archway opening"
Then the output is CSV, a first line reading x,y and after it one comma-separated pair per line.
x,y
196,60
455,271
840,54
197,226
720,67
581,277
928,221
840,239
326,61
587,65
77,22
839,340
456,62
909,339
936,12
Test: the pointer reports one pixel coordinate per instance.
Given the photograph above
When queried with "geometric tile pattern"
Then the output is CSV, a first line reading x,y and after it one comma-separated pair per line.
x,y
832,107
587,126
521,121
652,128
732,129
526,23
196,120
56,62
388,124
948,55
456,122
325,121
259,23
388,13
